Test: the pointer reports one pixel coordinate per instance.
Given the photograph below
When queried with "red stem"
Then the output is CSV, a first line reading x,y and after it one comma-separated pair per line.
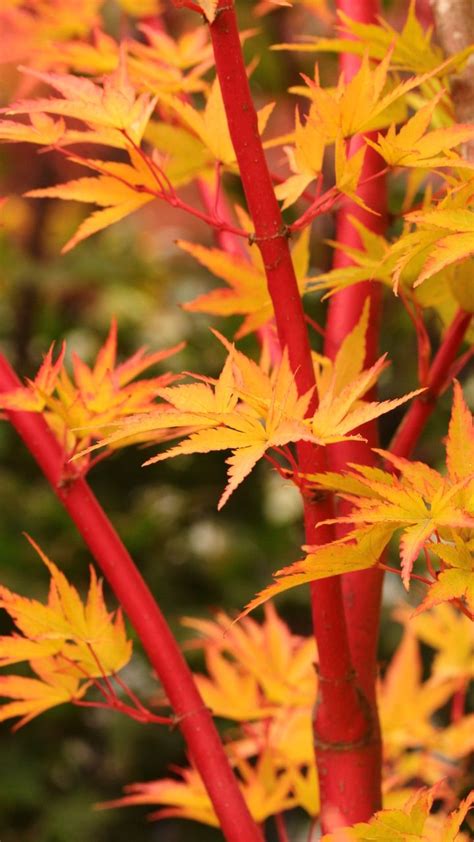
x,y
361,590
194,718
421,408
341,721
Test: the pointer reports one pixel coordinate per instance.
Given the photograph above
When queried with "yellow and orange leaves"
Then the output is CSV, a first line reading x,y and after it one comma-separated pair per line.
x,y
184,797
305,160
266,417
247,292
54,685
113,116
272,753
423,503
265,789
444,236
260,411
419,501
362,104
342,386
281,663
274,748
456,578
160,64
412,823
170,65
449,633
28,26
114,105
78,410
66,641
120,189
407,705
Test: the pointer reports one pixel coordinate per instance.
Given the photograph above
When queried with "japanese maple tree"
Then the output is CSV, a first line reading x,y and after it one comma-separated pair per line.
x,y
387,151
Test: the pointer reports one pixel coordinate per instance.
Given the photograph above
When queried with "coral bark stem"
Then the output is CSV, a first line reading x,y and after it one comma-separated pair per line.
x,y
342,722
361,590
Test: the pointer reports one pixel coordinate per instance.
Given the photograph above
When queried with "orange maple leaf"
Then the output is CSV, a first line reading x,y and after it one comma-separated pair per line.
x,y
112,106
78,410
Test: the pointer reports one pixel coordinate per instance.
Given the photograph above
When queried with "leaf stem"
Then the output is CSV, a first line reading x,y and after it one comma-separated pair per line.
x,y
422,407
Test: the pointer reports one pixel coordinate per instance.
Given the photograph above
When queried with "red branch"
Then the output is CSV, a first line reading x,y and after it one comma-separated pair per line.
x,y
342,726
421,408
193,717
361,590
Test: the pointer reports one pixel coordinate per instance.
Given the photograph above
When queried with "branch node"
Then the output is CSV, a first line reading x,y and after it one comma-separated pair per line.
x,y
283,231
179,717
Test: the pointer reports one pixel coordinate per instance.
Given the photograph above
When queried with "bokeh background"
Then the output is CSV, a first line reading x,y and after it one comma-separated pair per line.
x,y
195,559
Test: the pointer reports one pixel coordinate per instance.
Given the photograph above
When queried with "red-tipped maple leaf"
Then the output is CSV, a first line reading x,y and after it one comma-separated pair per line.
x,y
81,408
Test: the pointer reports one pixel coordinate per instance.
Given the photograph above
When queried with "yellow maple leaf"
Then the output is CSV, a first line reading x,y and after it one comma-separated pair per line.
x,y
305,159
266,790
362,104
67,643
264,411
85,634
449,633
444,236
413,146
32,696
210,124
251,429
120,189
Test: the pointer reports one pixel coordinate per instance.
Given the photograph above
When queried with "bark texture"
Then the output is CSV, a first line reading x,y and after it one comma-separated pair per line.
x,y
454,22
